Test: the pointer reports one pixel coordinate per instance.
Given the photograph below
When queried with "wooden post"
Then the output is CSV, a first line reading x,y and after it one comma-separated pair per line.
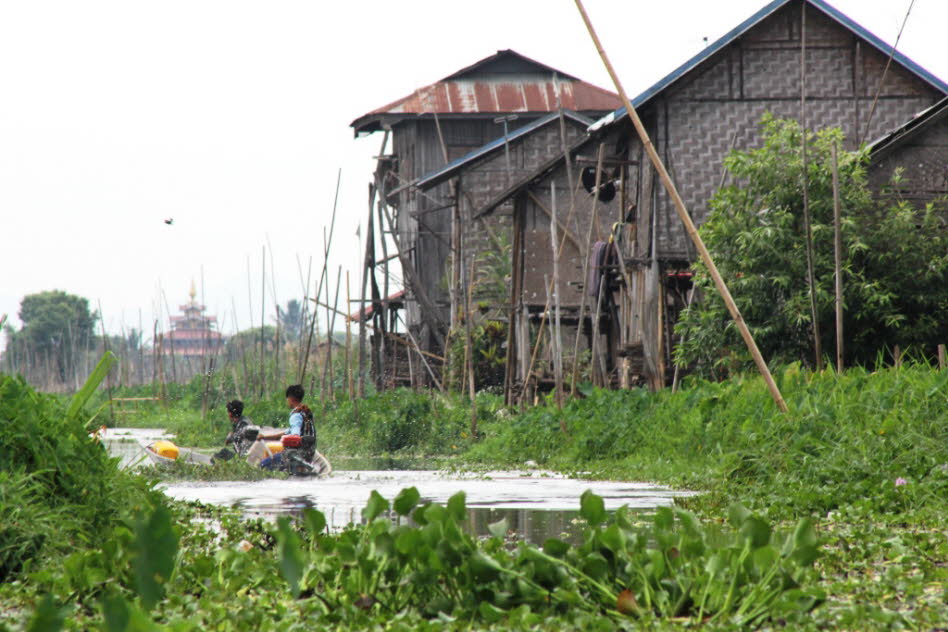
x,y
941,357
807,225
838,263
686,219
897,356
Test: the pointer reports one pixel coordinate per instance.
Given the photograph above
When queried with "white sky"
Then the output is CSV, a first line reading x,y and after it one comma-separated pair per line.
x,y
232,118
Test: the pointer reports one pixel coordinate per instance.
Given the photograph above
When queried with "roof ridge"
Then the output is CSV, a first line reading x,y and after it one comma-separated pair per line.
x,y
752,21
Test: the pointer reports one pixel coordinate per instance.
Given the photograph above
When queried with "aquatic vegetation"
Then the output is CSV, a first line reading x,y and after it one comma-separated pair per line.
x,y
430,570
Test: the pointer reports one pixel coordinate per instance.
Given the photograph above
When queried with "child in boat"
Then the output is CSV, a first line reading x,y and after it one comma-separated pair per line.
x,y
237,436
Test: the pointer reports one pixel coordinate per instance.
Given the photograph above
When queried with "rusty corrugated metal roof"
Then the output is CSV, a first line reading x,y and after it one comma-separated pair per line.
x,y
479,89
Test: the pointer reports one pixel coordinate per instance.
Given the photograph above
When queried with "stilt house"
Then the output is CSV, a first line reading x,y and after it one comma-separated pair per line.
x,y
499,106
602,186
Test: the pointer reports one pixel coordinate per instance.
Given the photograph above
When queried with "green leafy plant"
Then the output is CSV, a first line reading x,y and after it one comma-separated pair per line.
x,y
894,262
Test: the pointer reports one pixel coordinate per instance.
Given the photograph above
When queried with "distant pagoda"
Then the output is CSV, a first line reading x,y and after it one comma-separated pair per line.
x,y
193,334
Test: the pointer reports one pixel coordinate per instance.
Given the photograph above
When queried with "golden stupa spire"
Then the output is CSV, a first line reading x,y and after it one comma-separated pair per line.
x,y
193,292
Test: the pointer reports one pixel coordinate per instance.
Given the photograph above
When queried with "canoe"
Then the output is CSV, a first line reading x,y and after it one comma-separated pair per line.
x,y
185,455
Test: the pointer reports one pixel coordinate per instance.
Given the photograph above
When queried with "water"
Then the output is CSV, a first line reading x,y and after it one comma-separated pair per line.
x,y
536,504
127,443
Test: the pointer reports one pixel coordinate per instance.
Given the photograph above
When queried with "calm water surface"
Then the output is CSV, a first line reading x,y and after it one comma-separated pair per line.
x,y
536,504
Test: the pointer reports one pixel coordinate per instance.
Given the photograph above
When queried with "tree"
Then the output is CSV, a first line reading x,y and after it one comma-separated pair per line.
x,y
56,326
248,342
895,260
291,320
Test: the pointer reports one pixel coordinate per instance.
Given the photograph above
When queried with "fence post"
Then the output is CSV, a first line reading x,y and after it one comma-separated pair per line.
x,y
941,357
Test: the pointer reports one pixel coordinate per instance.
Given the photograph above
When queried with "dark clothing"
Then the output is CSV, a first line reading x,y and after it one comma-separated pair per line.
x,y
272,463
237,437
602,256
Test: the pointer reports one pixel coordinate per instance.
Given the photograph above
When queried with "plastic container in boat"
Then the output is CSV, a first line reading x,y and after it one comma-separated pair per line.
x,y
165,449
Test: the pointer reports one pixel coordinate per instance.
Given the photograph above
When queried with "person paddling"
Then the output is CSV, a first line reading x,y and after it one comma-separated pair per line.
x,y
300,424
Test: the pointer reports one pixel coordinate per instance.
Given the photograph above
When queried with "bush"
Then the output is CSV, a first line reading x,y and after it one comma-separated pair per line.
x,y
59,485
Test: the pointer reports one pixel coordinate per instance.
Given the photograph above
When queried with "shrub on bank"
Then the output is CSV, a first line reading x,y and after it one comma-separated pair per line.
x,y
59,488
847,440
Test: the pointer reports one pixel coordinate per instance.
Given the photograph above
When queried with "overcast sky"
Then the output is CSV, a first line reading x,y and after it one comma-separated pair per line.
x,y
231,117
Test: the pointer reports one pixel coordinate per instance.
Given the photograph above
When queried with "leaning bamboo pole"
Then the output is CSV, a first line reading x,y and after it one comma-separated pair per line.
x,y
685,217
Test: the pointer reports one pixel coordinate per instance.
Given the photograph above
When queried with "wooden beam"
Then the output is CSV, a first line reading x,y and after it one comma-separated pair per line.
x,y
686,218
566,231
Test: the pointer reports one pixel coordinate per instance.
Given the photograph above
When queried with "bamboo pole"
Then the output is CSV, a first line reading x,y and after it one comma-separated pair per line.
x,y
276,307
263,304
174,369
597,355
469,350
586,255
349,340
369,240
326,245
685,218
108,376
807,224
328,374
249,370
838,263
516,274
941,357
885,71
555,330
